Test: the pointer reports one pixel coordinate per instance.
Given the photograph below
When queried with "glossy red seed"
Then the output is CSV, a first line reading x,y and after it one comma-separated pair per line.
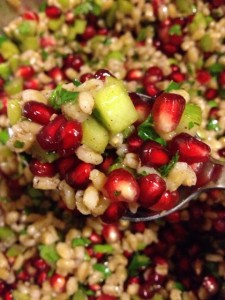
x,y
153,154
65,164
8,296
143,108
53,12
56,74
69,137
3,102
102,31
74,61
174,217
211,284
221,152
41,277
47,135
221,79
86,76
111,233
152,186
167,201
151,90
38,112
210,94
113,213
177,76
69,17
134,143
79,176
47,41
40,264
106,297
203,76
25,72
219,225
134,75
89,33
2,81
30,15
174,68
1,59
32,83
152,75
146,291
43,169
190,149
138,227
102,73
58,283
121,186
95,238
213,113
169,49
167,111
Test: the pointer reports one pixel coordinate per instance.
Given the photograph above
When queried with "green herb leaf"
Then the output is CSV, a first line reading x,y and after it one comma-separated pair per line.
x,y
175,30
106,249
164,170
76,82
138,261
82,241
103,269
173,86
178,286
4,136
48,253
215,68
212,103
18,144
213,124
142,34
61,96
146,131
44,54
87,7
42,6
107,41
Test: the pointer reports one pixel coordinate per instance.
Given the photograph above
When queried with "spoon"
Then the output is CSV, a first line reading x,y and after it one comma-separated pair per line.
x,y
214,181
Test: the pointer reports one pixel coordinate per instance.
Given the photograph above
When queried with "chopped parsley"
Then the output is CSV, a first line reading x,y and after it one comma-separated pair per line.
x,y
215,68
106,249
18,144
87,7
76,82
138,262
175,30
212,103
164,170
173,86
104,269
4,136
82,241
213,124
146,131
48,253
62,96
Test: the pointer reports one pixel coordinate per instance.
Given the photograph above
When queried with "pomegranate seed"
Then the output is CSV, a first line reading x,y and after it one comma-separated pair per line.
x,y
221,79
153,154
102,73
121,186
2,82
219,225
42,169
204,172
155,278
107,162
210,94
134,75
23,275
25,72
94,287
210,283
175,68
167,111
106,297
48,41
152,75
40,264
156,4
203,76
65,164
69,18
152,90
95,238
32,84
8,296
213,113
176,39
53,12
221,152
47,135
146,291
3,103
58,283
139,227
103,31
169,49
177,76
167,201
79,177
30,15
189,149
152,186
134,143
74,61
69,137
143,108
89,33
174,217
217,3
41,277
38,112
56,74
111,233
86,76
114,212
1,59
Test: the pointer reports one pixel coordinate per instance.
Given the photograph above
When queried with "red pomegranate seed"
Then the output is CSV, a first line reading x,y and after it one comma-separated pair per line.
x,y
134,75
86,76
113,213
40,264
138,227
121,186
95,238
210,94
32,83
143,108
146,291
74,61
169,49
47,135
23,275
167,111
221,79
42,169
41,277
102,73
1,59
69,137
107,162
89,33
2,82
156,4
103,31
65,164
69,17
152,90
152,186
211,284
213,113
25,72
58,283
203,76
177,76
221,152
8,296
48,41
30,15
106,297
53,12
111,233
152,75
174,68
134,143
56,74
167,201
38,112
3,103
153,154
174,217
189,149
79,177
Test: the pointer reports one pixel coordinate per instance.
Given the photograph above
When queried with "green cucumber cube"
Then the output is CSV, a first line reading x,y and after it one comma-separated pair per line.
x,y
14,111
95,136
113,106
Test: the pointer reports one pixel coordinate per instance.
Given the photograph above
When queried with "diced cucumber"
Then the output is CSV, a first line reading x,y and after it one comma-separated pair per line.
x,y
117,55
6,233
190,120
206,43
113,106
5,70
17,295
55,24
30,43
14,111
14,86
8,49
78,28
95,136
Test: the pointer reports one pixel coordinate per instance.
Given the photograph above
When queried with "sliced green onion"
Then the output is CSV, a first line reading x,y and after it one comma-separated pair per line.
x,y
48,253
82,241
106,249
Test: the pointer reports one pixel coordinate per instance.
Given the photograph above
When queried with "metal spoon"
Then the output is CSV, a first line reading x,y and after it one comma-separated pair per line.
x,y
186,193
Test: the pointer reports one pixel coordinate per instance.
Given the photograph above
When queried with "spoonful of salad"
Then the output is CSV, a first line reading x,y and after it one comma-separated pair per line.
x,y
110,153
